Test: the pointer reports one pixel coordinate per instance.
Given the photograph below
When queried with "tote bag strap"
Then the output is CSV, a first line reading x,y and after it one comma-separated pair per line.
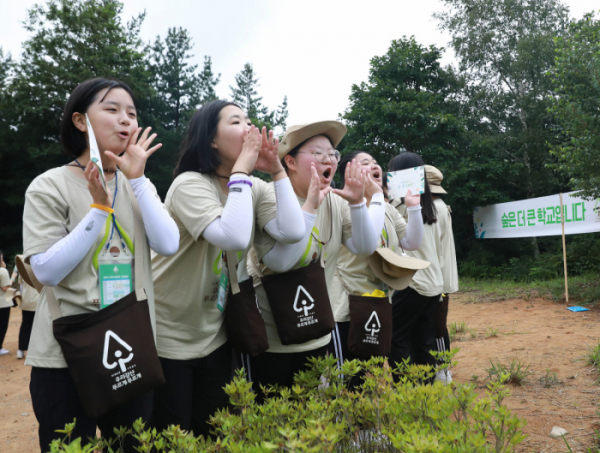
x,y
139,244
233,280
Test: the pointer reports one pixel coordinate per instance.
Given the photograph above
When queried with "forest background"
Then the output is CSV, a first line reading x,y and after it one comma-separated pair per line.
x,y
517,117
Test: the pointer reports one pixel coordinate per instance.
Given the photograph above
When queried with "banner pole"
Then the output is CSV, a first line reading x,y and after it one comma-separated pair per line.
x,y
562,221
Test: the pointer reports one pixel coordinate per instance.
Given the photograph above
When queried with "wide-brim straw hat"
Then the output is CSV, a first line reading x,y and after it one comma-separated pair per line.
x,y
26,273
334,130
435,178
395,270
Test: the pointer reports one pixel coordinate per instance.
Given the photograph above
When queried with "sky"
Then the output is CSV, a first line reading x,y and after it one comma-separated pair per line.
x,y
313,51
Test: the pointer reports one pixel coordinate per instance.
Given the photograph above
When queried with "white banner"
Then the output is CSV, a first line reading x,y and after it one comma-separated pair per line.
x,y
537,217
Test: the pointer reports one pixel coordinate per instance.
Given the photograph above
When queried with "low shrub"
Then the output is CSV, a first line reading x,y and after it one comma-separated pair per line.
x,y
321,414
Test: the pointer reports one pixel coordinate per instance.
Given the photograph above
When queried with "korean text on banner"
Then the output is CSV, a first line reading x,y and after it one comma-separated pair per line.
x,y
537,217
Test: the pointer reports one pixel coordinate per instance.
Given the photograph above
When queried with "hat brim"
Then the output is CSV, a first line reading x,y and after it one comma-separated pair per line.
x,y
437,189
407,267
334,130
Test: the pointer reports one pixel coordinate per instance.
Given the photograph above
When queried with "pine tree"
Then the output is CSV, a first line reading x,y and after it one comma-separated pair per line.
x,y
246,96
208,81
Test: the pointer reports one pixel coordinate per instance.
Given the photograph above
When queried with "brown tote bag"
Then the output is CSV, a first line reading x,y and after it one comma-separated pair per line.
x,y
300,304
244,324
111,353
370,326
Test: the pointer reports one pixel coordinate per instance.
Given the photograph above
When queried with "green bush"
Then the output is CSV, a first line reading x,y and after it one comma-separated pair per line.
x,y
321,414
513,260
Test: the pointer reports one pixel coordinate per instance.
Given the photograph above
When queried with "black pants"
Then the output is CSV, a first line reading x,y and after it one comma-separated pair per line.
x,y
442,336
414,327
339,348
55,403
272,368
193,392
4,317
25,330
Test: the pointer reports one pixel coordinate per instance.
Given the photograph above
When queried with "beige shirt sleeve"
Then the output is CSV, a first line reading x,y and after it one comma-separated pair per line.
x,y
196,203
44,218
346,221
399,223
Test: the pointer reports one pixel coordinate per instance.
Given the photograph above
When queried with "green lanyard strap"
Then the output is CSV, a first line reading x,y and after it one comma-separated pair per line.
x,y
124,234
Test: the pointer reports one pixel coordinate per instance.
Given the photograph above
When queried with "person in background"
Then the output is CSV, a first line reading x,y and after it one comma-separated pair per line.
x,y
5,303
414,308
29,300
353,273
448,262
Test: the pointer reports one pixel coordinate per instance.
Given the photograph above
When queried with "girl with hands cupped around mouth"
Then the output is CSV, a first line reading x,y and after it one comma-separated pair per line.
x,y
354,275
67,219
219,208
333,218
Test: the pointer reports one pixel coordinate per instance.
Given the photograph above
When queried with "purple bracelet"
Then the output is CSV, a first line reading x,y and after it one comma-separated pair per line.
x,y
239,181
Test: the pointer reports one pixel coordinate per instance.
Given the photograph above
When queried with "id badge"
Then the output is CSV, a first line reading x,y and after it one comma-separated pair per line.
x,y
223,285
115,275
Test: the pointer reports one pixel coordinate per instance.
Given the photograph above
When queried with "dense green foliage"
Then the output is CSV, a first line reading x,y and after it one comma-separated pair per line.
x,y
320,414
516,118
74,40
576,102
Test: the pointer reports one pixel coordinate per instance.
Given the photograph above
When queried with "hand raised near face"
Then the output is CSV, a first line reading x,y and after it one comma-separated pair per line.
x,y
250,151
133,161
315,195
354,183
99,195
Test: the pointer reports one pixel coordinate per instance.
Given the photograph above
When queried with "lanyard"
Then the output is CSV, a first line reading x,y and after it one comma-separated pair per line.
x,y
113,223
114,218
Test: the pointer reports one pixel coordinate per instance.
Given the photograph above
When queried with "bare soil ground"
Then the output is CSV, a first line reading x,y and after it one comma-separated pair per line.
x,y
539,333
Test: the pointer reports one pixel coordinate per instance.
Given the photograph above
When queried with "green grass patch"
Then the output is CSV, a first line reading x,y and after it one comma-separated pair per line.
x,y
583,289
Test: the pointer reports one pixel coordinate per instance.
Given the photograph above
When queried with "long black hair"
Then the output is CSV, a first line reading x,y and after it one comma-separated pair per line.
x,y
410,160
73,141
196,152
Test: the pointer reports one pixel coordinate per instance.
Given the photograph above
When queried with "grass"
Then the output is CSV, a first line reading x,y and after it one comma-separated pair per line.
x,y
459,329
514,372
584,290
550,379
593,358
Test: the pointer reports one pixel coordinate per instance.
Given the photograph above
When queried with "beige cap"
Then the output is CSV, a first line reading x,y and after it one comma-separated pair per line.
x,y
395,270
299,133
434,178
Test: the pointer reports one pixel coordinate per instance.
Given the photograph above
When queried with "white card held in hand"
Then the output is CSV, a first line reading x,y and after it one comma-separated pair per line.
x,y
95,151
399,182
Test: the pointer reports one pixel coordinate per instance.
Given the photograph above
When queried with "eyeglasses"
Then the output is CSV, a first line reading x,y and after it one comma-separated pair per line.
x,y
322,157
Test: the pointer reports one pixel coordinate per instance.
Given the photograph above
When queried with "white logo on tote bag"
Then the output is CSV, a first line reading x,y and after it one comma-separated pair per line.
x,y
118,353
304,306
373,325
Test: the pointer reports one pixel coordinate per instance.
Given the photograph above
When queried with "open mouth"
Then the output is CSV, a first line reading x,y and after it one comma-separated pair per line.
x,y
124,135
376,174
327,174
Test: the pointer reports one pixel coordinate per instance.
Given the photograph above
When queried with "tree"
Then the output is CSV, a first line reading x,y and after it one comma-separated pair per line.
x,y
245,95
407,104
576,99
179,91
208,81
505,50
71,41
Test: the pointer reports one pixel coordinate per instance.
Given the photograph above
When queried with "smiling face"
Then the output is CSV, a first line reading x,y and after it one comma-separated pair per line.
x,y
367,161
229,138
113,117
299,165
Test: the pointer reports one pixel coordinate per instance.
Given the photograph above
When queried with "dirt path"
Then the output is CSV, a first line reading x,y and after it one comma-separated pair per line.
x,y
540,333
550,339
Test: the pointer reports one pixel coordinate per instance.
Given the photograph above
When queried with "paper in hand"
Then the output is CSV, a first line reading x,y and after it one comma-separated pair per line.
x,y
399,182
95,151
